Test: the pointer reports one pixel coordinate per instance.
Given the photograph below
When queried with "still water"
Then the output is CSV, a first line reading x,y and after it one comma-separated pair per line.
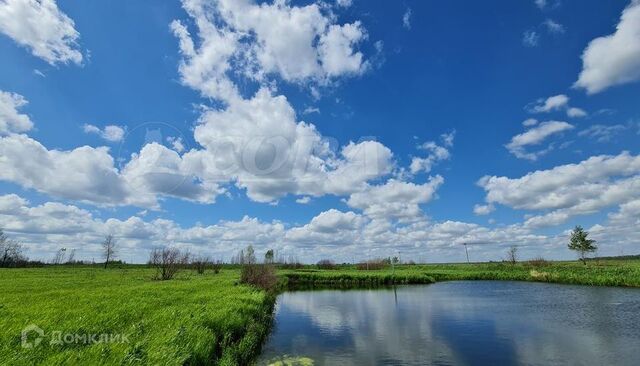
x,y
458,323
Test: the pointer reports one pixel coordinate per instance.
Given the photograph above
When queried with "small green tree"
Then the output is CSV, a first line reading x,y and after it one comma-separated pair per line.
x,y
580,243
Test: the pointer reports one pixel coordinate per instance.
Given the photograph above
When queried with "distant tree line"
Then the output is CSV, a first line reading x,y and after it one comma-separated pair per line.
x,y
168,261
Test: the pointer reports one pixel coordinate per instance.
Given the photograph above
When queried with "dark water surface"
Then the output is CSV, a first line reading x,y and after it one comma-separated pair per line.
x,y
459,323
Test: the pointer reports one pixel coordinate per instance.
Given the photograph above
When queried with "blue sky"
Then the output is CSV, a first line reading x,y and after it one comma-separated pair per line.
x,y
434,93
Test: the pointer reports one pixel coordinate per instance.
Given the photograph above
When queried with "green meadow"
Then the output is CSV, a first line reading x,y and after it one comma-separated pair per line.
x,y
192,319
197,319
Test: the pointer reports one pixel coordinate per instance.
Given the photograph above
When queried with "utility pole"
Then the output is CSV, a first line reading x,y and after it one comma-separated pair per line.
x,y
466,251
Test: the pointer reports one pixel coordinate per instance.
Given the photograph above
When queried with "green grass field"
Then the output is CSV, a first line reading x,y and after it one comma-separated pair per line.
x,y
191,319
203,319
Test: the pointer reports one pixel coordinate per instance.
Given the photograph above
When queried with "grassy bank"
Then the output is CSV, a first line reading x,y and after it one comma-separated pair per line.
x,y
609,272
349,278
193,319
204,319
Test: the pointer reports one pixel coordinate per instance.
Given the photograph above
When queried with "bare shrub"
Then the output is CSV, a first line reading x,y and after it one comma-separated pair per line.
x,y
168,261
259,275
372,265
216,266
326,264
539,262
200,264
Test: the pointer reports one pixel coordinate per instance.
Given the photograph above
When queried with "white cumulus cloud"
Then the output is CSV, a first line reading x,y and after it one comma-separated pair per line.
x,y
259,144
575,112
41,27
435,153
568,190
483,209
45,228
556,103
553,103
11,120
535,136
111,133
614,59
395,200
297,43
89,174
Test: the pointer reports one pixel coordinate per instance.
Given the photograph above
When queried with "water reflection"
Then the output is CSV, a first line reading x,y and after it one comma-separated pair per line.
x,y
461,323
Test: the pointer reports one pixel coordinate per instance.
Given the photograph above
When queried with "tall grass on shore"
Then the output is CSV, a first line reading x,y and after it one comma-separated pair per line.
x,y
346,279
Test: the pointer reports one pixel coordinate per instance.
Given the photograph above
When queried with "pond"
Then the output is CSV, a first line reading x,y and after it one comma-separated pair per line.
x,y
458,323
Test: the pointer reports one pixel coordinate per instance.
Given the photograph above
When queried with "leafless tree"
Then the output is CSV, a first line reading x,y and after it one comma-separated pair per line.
x,y
238,258
72,256
168,261
290,262
59,257
512,255
109,249
10,251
